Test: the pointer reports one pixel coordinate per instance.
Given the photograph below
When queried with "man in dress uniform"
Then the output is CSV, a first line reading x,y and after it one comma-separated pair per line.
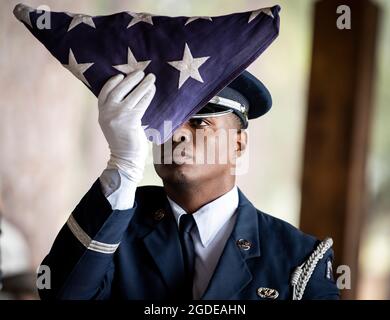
x,y
198,236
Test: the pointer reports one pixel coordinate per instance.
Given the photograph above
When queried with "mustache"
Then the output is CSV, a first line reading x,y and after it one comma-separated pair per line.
x,y
177,152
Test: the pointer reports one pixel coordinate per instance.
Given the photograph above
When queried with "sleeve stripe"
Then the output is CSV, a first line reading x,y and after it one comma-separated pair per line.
x,y
104,245
86,240
78,232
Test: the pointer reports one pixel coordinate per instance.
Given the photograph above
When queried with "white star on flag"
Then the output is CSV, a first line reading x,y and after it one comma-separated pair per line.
x,y
77,69
191,19
132,64
188,66
22,12
140,17
267,11
78,19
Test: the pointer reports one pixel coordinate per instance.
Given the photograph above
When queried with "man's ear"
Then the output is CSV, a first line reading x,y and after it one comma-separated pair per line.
x,y
242,141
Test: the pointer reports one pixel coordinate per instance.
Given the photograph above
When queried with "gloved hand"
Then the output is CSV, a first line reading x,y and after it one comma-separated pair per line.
x,y
122,103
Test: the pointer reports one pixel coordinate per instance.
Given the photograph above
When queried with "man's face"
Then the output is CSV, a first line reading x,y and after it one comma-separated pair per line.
x,y
200,150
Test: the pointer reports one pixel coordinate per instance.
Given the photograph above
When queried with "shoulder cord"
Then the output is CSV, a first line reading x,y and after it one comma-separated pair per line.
x,y
303,273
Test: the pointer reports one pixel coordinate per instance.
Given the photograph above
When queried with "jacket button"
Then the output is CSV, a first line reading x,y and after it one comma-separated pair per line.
x,y
244,244
159,214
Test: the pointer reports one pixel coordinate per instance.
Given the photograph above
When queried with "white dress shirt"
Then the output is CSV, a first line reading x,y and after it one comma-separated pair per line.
x,y
214,224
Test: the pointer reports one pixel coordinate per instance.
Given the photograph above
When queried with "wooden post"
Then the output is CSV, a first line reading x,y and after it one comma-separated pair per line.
x,y
337,130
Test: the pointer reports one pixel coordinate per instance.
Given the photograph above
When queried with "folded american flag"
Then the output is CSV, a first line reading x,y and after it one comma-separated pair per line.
x,y
193,58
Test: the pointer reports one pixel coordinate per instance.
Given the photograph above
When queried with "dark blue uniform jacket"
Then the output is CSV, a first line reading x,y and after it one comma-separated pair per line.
x,y
86,261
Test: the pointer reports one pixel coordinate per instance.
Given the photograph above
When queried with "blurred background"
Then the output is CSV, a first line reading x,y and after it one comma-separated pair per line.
x,y
52,149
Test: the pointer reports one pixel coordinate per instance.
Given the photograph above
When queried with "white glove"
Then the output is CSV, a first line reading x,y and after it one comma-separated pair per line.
x,y
122,103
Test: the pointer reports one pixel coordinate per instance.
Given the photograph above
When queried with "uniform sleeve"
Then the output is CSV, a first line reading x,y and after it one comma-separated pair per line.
x,y
81,259
322,285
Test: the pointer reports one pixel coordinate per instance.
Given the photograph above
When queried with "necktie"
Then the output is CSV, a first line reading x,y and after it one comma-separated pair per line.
x,y
187,222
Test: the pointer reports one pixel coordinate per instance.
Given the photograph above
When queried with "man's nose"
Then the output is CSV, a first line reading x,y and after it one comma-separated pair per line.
x,y
183,133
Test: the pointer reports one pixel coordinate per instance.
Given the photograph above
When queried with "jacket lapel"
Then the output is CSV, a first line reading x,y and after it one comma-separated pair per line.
x,y
232,273
159,233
